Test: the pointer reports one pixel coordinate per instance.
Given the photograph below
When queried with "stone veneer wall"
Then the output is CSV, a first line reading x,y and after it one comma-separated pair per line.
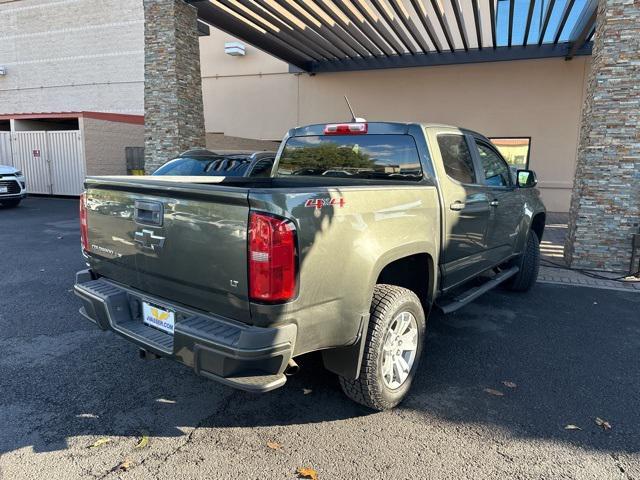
x,y
174,118
605,204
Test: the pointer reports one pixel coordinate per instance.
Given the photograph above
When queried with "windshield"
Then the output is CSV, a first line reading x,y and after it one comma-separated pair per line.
x,y
352,156
211,166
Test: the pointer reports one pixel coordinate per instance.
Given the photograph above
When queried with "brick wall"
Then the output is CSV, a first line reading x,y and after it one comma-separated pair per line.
x,y
105,143
72,55
605,204
174,118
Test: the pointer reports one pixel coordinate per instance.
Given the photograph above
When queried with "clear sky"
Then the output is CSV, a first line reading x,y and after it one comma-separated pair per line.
x,y
520,20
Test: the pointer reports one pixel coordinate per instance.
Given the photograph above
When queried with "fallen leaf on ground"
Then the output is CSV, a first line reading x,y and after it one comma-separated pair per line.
x,y
87,415
274,445
100,441
496,393
125,465
572,427
603,423
307,472
143,442
509,384
306,391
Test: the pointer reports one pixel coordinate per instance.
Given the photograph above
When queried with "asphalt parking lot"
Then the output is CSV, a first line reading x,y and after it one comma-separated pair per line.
x,y
568,355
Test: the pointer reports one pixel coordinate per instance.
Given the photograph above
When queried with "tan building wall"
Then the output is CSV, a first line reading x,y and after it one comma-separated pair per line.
x,y
220,141
105,142
256,97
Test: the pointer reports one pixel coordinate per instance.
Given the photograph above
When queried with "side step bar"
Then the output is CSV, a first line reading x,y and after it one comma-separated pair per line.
x,y
470,295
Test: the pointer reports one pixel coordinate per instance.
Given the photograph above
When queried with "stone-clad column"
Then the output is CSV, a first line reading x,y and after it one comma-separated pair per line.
x,y
605,205
174,117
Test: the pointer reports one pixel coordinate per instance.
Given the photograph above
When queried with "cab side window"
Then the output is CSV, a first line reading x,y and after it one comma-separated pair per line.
x,y
496,171
456,157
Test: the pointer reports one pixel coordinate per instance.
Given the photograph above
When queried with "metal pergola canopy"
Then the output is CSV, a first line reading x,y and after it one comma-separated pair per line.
x,y
344,35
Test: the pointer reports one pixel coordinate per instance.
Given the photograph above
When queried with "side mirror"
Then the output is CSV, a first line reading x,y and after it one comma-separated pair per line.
x,y
526,178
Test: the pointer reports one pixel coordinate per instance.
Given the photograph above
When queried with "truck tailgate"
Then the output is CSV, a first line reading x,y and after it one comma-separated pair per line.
x,y
182,242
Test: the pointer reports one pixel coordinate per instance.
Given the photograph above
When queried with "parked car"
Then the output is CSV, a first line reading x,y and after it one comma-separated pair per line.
x,y
237,277
228,164
13,186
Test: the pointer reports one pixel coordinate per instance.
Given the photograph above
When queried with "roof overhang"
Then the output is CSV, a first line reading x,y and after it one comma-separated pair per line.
x,y
203,29
109,117
344,35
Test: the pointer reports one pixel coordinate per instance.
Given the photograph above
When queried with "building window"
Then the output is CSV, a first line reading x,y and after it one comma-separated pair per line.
x,y
514,150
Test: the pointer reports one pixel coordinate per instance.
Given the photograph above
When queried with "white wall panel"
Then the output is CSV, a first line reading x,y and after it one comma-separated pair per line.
x,y
67,162
5,149
26,146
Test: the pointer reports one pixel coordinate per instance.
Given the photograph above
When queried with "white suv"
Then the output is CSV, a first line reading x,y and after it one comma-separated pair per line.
x,y
13,186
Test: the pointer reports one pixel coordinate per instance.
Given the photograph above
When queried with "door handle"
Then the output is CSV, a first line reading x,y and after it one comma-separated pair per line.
x,y
457,205
494,203
148,213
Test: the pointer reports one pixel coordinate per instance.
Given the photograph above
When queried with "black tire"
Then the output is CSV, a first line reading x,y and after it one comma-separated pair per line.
x,y
369,388
529,263
10,203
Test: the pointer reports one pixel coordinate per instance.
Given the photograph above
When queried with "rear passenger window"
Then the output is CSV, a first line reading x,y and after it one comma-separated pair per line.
x,y
496,171
456,157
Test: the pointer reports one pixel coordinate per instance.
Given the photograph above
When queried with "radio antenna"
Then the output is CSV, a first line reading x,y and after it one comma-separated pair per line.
x,y
353,115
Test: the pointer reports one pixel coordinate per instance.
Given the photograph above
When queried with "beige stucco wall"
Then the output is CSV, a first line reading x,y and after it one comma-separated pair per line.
x,y
255,97
220,141
105,142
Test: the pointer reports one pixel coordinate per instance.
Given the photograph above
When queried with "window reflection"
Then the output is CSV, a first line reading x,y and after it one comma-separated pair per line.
x,y
514,150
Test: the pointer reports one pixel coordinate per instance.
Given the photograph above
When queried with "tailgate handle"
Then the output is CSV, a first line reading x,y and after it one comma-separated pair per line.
x,y
148,213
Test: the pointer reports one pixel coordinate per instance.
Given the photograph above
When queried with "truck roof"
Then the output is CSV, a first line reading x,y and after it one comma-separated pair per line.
x,y
378,127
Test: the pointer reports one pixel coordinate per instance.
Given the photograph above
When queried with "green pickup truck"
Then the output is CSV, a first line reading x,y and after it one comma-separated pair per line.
x,y
360,231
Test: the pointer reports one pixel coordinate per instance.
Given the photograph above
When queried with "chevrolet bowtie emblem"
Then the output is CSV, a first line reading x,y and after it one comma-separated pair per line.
x,y
149,240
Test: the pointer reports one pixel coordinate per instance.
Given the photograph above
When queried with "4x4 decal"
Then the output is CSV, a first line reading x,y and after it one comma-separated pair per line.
x,y
319,203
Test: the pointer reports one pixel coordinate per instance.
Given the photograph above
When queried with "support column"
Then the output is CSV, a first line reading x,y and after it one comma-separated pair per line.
x,y
174,117
605,204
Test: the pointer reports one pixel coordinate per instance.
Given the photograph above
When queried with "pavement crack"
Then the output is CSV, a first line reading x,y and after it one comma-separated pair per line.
x,y
220,410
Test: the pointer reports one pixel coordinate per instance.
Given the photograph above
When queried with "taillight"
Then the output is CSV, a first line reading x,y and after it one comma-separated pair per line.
x,y
346,129
84,225
272,258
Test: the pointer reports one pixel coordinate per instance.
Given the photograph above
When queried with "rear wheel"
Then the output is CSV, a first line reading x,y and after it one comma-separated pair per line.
x,y
392,350
10,203
529,264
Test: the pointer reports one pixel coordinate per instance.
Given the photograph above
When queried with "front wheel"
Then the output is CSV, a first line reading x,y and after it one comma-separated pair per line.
x,y
392,350
529,263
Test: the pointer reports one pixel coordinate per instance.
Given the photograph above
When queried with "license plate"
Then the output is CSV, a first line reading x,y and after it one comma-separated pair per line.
x,y
4,189
159,318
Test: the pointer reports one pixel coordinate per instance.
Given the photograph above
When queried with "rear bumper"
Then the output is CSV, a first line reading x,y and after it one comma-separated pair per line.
x,y
242,356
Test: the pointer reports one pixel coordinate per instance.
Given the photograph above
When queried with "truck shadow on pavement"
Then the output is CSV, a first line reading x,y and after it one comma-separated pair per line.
x,y
554,357
526,365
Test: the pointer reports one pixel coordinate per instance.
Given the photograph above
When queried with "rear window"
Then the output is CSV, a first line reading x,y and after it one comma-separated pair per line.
x,y
216,166
351,156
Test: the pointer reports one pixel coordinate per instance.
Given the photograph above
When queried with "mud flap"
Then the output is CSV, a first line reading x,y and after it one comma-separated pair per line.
x,y
346,361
